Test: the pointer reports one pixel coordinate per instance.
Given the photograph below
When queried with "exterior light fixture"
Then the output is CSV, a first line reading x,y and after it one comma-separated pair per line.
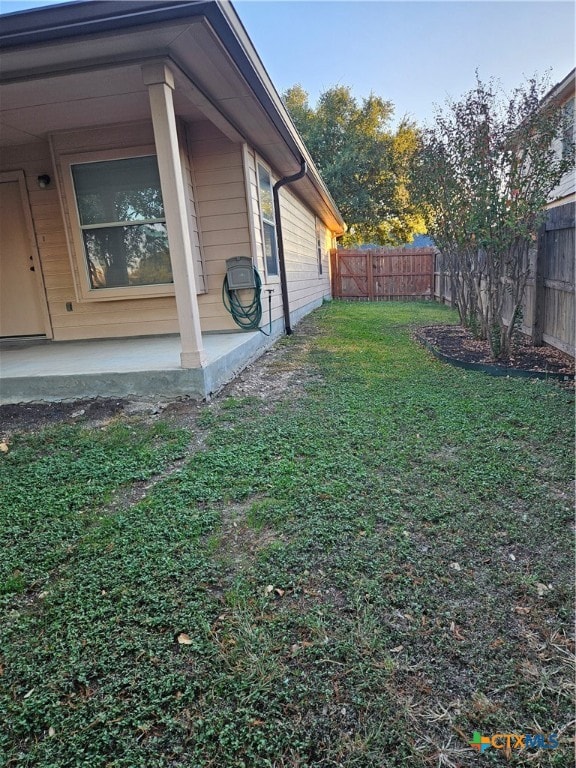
x,y
43,180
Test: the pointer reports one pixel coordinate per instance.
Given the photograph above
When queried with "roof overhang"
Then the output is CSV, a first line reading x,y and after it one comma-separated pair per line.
x,y
563,90
63,66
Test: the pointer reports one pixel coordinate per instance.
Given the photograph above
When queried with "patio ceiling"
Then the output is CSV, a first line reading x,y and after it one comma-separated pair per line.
x,y
32,109
98,80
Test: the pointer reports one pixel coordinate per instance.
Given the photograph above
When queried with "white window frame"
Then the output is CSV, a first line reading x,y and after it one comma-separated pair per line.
x,y
84,289
274,275
320,250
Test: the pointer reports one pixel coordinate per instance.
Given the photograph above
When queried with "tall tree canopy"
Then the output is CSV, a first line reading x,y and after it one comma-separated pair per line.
x,y
363,162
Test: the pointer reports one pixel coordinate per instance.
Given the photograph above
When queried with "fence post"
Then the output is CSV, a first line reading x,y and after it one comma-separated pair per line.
x,y
438,290
334,272
539,299
370,274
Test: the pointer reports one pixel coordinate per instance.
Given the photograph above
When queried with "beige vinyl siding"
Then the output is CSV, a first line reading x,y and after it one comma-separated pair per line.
x,y
326,240
97,319
305,284
195,236
222,215
299,227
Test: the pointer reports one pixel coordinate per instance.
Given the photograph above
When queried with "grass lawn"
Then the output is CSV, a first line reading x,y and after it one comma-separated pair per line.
x,y
361,568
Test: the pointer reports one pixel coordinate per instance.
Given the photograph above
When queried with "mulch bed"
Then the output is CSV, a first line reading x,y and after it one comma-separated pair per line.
x,y
458,343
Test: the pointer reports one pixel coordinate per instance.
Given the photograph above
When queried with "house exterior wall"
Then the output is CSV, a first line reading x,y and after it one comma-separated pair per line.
x,y
53,222
565,192
222,214
86,320
230,225
224,221
306,286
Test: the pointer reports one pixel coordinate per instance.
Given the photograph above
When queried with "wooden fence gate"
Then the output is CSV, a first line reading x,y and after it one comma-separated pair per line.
x,y
383,274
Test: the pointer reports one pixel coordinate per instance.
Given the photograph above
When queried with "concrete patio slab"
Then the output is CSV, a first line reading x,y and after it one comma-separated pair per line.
x,y
135,367
128,367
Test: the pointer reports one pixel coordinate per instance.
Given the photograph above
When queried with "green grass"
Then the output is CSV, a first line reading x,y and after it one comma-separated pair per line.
x,y
362,571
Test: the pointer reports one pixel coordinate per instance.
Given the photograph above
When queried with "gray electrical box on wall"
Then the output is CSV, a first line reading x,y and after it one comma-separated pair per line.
x,y
240,273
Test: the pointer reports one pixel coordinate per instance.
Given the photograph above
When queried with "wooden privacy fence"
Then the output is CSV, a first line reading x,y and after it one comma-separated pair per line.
x,y
383,274
548,308
551,293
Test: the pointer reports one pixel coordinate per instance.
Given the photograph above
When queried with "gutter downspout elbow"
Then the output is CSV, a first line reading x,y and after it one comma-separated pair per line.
x,y
281,260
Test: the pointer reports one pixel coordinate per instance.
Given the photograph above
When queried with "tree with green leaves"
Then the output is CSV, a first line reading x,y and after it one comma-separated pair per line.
x,y
483,175
363,162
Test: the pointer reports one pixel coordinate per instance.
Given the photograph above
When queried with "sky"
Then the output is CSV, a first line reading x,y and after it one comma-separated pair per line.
x,y
415,53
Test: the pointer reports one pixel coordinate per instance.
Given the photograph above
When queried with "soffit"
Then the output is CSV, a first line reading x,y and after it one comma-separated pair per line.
x,y
33,108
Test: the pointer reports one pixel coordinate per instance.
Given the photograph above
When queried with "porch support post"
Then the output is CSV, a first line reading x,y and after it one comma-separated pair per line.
x,y
160,82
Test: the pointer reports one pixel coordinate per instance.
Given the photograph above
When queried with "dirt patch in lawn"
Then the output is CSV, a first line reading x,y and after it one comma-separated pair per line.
x,y
239,541
28,417
458,343
282,371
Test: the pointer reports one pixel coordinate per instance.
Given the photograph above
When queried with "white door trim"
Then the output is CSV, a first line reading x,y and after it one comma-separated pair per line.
x,y
12,176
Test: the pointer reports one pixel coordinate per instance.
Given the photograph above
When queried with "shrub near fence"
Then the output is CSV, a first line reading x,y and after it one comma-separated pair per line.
x,y
383,274
548,312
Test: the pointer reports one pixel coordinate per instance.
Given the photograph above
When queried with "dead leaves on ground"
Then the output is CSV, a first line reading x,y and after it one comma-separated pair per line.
x,y
271,589
456,631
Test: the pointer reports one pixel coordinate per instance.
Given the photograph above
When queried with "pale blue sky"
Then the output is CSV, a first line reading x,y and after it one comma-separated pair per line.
x,y
412,53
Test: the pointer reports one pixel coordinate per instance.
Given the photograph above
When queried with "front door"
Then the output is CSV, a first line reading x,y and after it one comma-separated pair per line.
x,y
21,295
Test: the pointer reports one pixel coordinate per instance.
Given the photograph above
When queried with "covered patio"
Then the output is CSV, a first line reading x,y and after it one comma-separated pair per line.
x,y
143,151
130,367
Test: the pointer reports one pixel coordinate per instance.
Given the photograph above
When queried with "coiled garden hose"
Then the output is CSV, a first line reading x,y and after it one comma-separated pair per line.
x,y
247,314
